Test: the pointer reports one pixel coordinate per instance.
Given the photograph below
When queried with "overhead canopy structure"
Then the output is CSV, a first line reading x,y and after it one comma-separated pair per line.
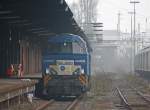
x,y
25,26
40,18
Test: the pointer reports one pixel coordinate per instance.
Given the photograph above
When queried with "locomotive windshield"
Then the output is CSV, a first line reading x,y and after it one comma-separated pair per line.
x,y
65,47
60,48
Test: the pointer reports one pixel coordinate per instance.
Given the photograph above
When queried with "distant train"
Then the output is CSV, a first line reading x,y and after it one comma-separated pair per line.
x,y
142,63
66,66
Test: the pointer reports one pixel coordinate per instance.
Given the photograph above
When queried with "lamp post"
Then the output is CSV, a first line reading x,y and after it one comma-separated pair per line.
x,y
131,63
134,32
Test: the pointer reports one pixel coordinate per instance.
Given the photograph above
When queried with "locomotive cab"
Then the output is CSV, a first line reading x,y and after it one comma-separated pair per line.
x,y
66,66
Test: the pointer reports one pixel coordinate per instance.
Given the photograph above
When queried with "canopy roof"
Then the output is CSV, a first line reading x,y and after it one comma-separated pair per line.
x,y
38,18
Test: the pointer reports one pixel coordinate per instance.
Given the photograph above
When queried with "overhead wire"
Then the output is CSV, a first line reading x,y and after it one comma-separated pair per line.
x,y
125,9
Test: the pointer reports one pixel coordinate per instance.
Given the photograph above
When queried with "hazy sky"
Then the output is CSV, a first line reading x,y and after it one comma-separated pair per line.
x,y
107,11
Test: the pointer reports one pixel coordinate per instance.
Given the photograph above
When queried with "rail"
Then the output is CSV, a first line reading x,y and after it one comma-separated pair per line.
x,y
74,103
141,95
123,99
70,106
44,105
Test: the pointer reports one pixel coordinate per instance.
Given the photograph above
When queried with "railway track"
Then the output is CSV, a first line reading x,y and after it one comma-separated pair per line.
x,y
132,99
68,104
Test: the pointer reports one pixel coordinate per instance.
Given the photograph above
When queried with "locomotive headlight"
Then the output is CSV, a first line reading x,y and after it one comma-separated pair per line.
x,y
65,44
82,71
47,71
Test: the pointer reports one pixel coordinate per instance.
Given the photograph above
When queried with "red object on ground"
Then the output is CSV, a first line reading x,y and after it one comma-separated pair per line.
x,y
9,71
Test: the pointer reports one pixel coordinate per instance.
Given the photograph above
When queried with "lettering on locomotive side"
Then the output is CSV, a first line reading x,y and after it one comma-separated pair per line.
x,y
80,61
65,62
50,61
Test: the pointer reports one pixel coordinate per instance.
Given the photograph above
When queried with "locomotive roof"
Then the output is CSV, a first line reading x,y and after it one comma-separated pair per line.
x,y
62,38
65,38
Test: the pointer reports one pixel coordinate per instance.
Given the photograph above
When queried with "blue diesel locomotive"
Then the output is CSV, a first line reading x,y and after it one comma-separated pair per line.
x,y
66,66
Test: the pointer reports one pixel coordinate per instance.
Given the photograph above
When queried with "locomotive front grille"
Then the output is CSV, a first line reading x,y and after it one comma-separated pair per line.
x,y
65,85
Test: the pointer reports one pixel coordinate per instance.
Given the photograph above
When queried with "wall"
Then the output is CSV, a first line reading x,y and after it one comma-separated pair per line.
x,y
15,49
30,57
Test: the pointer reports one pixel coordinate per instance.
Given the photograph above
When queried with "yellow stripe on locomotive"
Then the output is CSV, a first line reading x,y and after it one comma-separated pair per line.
x,y
64,67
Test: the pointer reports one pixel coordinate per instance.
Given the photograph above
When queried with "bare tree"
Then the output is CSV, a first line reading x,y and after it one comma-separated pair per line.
x,y
85,12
